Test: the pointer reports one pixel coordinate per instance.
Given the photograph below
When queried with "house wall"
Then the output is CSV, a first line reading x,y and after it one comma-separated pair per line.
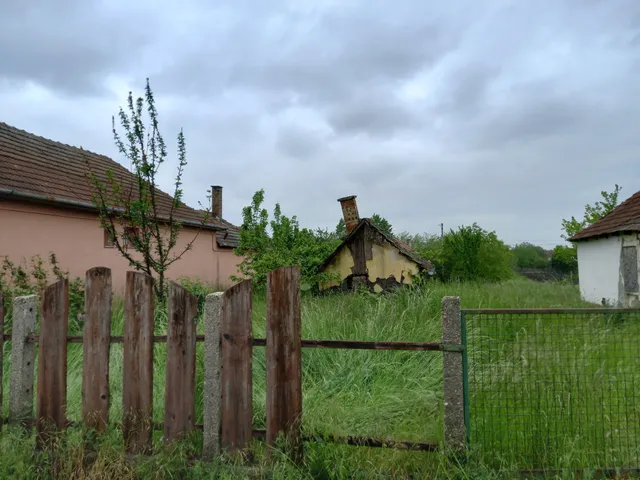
x,y
77,239
599,269
386,261
341,265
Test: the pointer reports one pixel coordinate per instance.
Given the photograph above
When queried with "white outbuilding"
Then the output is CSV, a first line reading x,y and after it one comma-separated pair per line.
x,y
608,256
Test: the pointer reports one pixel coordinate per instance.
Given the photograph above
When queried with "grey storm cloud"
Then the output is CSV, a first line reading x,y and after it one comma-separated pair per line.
x,y
513,114
299,143
377,114
68,45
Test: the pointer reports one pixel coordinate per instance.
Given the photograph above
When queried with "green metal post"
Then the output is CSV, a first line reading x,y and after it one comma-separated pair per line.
x,y
465,377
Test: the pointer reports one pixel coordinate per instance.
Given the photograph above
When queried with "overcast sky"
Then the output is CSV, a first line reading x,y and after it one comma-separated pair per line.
x,y
512,114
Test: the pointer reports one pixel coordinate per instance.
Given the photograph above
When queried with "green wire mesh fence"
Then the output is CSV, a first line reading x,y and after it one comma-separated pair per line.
x,y
555,388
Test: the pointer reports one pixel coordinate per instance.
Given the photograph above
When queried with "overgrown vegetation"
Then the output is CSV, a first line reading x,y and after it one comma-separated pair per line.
x,y
527,255
144,231
469,253
376,393
267,244
472,254
565,259
377,219
19,278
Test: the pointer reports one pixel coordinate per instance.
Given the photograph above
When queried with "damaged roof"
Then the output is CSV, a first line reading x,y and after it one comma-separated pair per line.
x,y
402,247
229,238
38,169
625,218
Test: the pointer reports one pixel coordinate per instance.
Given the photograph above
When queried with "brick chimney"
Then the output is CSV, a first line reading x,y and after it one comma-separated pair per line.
x,y
350,212
216,201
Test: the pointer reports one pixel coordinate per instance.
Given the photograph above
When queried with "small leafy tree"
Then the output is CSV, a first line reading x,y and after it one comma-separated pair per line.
x,y
592,213
527,255
382,223
378,220
427,246
341,229
268,244
565,259
473,254
129,206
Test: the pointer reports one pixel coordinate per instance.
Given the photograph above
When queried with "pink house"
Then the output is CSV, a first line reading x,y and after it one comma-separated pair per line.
x,y
46,207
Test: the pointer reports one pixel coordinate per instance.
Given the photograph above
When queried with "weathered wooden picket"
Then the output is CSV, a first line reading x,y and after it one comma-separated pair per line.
x,y
228,345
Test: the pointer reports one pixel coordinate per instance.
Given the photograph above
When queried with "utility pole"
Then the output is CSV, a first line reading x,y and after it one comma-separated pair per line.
x,y
442,230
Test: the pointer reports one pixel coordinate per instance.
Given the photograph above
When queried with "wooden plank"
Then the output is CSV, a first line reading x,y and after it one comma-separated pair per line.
x,y
113,339
365,345
284,361
137,392
1,353
357,247
180,385
236,368
51,400
95,350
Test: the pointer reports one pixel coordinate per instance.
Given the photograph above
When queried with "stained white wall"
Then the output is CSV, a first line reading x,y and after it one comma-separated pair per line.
x,y
599,269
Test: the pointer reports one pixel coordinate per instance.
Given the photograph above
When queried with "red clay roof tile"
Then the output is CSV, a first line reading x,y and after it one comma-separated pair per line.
x,y
30,164
624,218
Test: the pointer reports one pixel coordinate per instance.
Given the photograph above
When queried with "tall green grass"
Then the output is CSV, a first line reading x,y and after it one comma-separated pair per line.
x,y
556,390
345,392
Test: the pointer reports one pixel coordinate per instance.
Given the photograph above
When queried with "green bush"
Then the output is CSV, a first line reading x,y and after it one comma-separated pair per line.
x,y
468,254
565,259
527,255
19,279
473,254
429,247
267,245
198,288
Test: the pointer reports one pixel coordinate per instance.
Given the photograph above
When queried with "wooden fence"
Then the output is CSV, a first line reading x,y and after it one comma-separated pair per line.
x,y
228,345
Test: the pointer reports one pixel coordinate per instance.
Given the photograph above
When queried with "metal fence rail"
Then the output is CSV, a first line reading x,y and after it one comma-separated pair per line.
x,y
555,388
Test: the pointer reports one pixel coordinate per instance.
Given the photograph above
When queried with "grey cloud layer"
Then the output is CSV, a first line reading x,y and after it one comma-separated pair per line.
x,y
511,113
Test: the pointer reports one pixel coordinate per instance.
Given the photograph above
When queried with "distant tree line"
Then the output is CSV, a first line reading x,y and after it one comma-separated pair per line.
x,y
468,253
267,242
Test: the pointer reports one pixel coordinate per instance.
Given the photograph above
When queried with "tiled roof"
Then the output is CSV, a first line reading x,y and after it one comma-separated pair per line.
x,y
230,237
624,218
58,174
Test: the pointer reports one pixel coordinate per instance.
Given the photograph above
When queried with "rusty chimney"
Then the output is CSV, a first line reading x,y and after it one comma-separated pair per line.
x,y
216,201
350,212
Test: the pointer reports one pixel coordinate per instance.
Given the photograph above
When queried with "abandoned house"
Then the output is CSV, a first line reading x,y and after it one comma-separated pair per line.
x,y
370,258
608,256
46,207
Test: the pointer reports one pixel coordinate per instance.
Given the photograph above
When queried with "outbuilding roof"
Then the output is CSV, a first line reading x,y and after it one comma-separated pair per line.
x,y
625,218
402,247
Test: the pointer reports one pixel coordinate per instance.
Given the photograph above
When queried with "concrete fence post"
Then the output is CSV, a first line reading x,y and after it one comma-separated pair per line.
x,y
25,312
212,368
454,424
